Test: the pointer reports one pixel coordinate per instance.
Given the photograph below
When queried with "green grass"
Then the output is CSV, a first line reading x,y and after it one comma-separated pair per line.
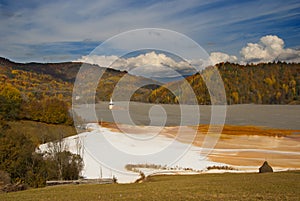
x,y
254,186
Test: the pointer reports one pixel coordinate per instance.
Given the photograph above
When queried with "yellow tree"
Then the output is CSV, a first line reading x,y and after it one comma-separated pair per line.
x,y
235,97
10,102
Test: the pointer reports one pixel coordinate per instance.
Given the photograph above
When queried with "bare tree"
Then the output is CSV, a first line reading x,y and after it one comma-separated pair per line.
x,y
55,149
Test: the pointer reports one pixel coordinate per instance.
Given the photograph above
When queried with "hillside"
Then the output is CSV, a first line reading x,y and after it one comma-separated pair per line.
x,y
271,83
40,80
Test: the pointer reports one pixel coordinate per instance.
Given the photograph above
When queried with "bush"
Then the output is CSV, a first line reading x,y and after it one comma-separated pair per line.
x,y
4,178
13,187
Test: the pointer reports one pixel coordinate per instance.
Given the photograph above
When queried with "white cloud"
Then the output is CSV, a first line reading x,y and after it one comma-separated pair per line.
x,y
150,64
35,23
270,48
218,57
101,60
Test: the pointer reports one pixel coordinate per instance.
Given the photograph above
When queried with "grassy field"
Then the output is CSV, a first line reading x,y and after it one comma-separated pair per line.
x,y
254,186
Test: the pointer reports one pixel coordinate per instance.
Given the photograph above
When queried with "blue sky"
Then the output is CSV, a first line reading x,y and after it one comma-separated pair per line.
x,y
52,31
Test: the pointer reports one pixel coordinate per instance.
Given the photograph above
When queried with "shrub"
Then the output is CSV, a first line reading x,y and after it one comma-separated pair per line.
x,y
215,167
4,178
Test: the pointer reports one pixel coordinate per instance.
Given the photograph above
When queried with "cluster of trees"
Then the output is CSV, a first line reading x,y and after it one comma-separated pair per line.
x,y
271,83
10,102
18,157
19,160
36,85
48,110
16,105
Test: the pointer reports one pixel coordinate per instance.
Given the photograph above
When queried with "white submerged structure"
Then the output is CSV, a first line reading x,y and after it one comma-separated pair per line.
x,y
106,153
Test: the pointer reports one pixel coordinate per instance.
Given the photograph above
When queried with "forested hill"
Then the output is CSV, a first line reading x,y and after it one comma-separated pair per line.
x,y
60,71
42,80
266,83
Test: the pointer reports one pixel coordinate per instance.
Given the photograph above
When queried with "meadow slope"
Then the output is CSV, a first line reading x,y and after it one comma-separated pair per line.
x,y
254,186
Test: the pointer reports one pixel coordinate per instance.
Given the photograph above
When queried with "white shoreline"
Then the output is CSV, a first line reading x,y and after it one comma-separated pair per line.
x,y
101,160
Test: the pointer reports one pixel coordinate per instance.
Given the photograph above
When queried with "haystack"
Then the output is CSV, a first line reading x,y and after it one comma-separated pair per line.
x,y
265,168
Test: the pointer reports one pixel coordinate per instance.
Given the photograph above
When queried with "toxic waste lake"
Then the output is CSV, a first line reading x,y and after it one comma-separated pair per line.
x,y
271,116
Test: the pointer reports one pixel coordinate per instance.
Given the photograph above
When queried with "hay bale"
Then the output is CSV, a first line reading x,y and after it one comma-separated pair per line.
x,y
265,168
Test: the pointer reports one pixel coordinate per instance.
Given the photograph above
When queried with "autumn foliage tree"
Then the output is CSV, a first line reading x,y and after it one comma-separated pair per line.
x,y
48,110
10,102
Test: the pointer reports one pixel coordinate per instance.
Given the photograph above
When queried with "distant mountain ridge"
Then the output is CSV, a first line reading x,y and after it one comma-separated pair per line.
x,y
65,71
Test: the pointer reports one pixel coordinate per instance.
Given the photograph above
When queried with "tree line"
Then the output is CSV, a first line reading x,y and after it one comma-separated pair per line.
x,y
22,163
265,83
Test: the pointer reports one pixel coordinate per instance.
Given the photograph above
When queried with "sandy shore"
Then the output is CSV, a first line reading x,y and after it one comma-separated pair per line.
x,y
238,146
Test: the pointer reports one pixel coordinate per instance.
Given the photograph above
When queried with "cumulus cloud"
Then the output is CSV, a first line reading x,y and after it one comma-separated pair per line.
x,y
218,57
150,64
270,48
